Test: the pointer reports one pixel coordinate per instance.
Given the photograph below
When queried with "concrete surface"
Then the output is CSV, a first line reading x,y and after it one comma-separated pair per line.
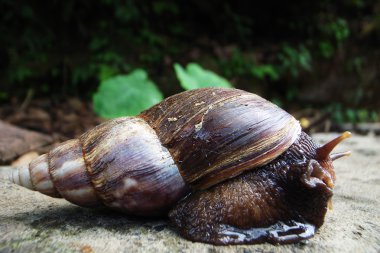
x,y
32,222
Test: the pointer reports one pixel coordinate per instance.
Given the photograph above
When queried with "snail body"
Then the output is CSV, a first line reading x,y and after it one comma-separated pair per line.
x,y
227,166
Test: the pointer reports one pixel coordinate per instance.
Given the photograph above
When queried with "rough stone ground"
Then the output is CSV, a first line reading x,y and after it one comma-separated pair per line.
x,y
32,222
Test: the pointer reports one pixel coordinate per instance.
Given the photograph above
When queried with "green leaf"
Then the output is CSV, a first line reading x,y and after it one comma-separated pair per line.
x,y
126,95
194,77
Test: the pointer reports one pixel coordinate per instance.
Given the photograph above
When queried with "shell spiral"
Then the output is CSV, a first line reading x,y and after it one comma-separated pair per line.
x,y
143,165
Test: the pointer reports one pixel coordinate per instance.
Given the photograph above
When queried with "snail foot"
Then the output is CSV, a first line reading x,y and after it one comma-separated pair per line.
x,y
279,233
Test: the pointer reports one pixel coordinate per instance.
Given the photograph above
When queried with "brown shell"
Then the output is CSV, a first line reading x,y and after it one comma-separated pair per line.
x,y
214,134
120,164
129,169
142,164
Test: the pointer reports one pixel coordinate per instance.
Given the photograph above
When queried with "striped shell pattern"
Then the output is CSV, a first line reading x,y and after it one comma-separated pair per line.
x,y
143,165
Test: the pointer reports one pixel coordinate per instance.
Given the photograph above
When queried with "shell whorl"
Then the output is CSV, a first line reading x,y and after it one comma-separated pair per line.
x,y
120,164
215,134
130,169
143,165
36,176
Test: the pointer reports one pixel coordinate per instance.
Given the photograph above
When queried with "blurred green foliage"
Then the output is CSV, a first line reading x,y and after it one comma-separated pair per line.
x,y
351,115
126,95
194,77
241,65
276,48
294,60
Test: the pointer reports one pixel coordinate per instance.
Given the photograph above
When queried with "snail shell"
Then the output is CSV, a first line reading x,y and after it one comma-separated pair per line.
x,y
120,164
193,142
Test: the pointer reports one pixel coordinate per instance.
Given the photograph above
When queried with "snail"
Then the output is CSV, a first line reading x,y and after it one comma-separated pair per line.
x,y
226,166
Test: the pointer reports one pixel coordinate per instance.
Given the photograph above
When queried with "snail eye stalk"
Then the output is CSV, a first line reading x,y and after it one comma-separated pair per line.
x,y
324,151
339,155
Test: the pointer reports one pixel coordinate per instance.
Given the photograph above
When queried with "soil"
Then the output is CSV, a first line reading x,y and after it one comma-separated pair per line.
x,y
61,120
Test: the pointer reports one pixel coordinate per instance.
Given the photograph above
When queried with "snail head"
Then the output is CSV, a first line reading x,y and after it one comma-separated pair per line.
x,y
313,179
319,171
315,164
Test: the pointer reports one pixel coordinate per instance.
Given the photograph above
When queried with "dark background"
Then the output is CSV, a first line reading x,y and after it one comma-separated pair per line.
x,y
319,55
